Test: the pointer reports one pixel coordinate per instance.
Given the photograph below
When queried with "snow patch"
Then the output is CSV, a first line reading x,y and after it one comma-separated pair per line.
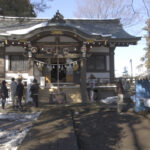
x,y
25,31
110,100
11,137
146,102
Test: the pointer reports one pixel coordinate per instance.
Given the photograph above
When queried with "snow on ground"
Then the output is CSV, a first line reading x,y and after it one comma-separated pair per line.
x,y
110,100
133,98
13,129
146,101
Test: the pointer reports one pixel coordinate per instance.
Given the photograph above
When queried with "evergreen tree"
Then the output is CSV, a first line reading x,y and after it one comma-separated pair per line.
x,y
147,49
19,8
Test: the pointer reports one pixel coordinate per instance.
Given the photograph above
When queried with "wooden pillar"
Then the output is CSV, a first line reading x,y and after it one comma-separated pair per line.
x,y
2,62
31,67
83,85
112,66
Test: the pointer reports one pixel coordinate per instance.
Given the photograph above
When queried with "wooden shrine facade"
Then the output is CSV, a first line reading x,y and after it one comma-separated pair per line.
x,y
61,50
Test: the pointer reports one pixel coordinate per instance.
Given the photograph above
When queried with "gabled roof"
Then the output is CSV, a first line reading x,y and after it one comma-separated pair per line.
x,y
11,27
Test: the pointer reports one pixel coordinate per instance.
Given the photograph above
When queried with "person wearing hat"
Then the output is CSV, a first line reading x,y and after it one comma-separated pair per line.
x,y
34,92
4,93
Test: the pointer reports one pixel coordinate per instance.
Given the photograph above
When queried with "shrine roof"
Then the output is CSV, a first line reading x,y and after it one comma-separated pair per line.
x,y
105,28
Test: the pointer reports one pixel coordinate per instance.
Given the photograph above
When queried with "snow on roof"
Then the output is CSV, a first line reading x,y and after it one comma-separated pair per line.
x,y
92,27
25,31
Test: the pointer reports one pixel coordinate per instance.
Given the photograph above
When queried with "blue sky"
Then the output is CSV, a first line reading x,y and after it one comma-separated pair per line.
x,y
66,7
122,55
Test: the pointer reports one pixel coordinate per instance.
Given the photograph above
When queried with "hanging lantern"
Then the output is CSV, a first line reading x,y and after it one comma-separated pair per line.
x,y
34,49
6,42
105,42
75,49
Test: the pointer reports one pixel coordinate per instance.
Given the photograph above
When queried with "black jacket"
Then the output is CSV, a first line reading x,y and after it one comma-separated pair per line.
x,y
34,89
19,90
4,91
120,89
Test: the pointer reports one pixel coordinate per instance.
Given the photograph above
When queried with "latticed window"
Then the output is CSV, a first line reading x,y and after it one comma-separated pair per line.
x,y
18,63
96,63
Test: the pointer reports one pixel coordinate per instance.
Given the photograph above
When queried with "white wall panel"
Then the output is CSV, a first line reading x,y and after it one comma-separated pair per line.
x,y
16,75
105,75
15,49
6,63
100,49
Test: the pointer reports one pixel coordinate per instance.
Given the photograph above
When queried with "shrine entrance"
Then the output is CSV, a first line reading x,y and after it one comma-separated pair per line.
x,y
58,71
59,55
58,64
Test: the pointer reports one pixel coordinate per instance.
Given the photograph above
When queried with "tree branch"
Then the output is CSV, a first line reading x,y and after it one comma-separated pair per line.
x,y
132,1
148,14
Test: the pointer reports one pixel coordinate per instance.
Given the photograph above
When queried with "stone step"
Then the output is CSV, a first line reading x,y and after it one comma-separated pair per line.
x,y
73,94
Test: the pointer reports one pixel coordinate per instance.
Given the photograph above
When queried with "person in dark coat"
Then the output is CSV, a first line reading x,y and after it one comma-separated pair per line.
x,y
120,92
19,93
34,92
4,93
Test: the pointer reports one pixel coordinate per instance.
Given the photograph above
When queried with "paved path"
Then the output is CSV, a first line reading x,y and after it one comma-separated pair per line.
x,y
103,129
95,127
135,132
52,131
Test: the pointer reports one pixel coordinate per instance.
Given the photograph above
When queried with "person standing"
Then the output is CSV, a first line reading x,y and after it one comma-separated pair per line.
x,y
120,92
28,93
34,92
4,93
19,93
92,83
13,87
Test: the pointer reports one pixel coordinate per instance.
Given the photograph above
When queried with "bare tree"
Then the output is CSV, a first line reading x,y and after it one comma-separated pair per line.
x,y
146,58
40,5
106,9
146,4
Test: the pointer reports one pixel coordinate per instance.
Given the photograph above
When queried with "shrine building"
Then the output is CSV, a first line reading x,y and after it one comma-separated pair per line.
x,y
61,51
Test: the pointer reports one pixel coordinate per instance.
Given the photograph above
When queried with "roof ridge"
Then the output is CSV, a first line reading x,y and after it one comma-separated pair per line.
x,y
26,18
71,19
99,20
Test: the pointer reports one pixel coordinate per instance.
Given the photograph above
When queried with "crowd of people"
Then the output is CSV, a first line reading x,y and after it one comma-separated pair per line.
x,y
17,93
